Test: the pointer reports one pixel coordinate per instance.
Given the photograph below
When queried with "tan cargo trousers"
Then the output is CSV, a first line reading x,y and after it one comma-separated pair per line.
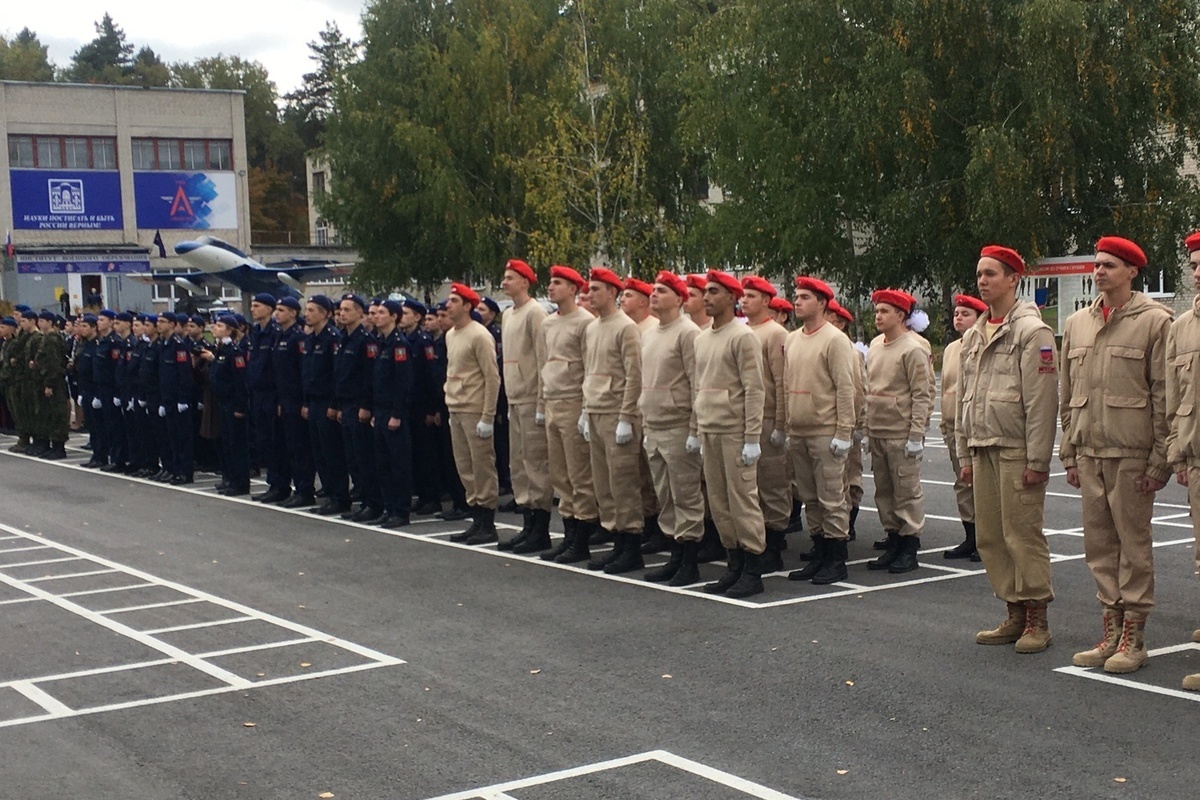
x,y
898,493
774,488
1008,526
475,459
676,474
528,458
1117,542
616,474
820,483
733,493
570,460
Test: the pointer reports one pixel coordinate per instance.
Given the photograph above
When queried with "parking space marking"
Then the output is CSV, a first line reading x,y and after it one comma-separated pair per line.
x,y
41,690
511,789
1098,674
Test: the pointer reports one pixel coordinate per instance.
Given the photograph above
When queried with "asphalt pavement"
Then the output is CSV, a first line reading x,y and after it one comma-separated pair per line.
x,y
163,642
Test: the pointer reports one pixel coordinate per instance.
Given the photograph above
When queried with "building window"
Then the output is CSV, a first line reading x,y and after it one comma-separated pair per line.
x,y
59,152
219,155
322,237
168,154
143,154
193,155
318,180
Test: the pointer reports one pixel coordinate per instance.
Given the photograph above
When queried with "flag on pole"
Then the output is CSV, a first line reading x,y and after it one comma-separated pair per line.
x,y
162,248
8,245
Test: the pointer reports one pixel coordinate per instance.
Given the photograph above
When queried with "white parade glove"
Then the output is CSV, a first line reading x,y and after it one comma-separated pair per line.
x,y
181,407
585,429
129,406
913,449
79,401
839,447
162,411
692,445
624,433
96,403
117,402
582,424
539,418
199,406
751,452
141,403
778,438
483,429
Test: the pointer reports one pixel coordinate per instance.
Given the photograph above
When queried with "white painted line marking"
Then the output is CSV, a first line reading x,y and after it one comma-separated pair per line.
x,y
71,575
39,563
87,673
184,602
560,775
18,600
23,549
251,648
719,776
106,591
1129,683
196,625
49,704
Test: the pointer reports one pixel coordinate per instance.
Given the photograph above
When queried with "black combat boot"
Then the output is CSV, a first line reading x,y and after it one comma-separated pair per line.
x,y
58,451
578,549
667,570
772,557
821,552
711,548
526,527
812,553
569,526
539,535
796,521
833,566
853,517
653,540
688,572
487,528
630,558
472,529
906,561
890,553
600,562
750,581
967,548
735,563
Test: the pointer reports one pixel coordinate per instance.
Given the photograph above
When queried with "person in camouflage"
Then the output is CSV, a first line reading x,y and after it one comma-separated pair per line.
x,y
53,412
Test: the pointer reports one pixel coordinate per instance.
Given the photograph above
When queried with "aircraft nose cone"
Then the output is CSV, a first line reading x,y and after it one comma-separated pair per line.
x,y
183,248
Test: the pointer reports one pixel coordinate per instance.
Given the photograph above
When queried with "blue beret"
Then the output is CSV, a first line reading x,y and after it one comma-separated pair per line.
x,y
475,315
125,316
377,301
195,319
108,312
440,306
46,315
353,298
28,314
228,320
239,319
394,306
9,321
20,307
290,302
151,318
169,316
322,301
265,298
90,319
492,304
416,306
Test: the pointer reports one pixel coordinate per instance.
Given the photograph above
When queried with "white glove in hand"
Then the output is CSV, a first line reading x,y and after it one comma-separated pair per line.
x,y
913,449
79,401
624,433
582,424
96,403
129,406
162,411
751,452
539,418
483,429
141,403
839,447
181,407
778,438
199,406
585,429
117,402
692,445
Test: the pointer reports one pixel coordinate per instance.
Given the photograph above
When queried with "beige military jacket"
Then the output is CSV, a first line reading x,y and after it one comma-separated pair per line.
x,y
1183,371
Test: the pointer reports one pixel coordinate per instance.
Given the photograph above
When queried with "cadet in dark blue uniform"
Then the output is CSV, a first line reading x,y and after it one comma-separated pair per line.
x,y
423,408
391,389
296,460
85,373
131,414
353,367
265,429
227,377
153,426
176,397
320,349
107,402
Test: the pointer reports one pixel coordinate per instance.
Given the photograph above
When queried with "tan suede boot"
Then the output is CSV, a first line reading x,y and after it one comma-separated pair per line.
x,y
1036,636
1131,653
1192,682
1196,635
1107,646
1008,631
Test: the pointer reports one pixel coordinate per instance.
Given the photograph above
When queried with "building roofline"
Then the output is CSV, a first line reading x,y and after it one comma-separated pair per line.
x,y
117,86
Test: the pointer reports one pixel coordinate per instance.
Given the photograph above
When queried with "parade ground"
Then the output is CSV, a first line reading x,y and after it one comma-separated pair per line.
x,y
164,642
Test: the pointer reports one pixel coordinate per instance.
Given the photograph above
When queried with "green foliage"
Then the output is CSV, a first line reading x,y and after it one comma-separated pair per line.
x,y
105,59
25,58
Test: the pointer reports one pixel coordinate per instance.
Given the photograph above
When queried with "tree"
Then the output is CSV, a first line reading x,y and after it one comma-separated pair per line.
x,y
233,72
148,69
311,105
25,58
105,59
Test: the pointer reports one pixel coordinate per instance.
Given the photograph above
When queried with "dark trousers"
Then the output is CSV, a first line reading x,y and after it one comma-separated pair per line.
x,y
426,474
235,448
329,453
155,430
95,425
114,430
393,463
266,440
135,434
181,444
298,446
360,456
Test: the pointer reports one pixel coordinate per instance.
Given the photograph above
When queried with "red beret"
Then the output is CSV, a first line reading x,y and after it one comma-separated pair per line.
x,y
568,274
725,281
673,282
466,293
815,285
840,310
639,286
780,304
759,285
521,268
1006,256
894,297
607,276
1193,242
697,282
973,303
1123,249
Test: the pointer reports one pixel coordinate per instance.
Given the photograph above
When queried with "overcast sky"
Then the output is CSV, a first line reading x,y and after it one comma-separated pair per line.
x,y
273,32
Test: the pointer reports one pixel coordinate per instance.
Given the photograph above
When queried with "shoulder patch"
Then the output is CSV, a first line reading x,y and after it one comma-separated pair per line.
x,y
430,355
400,354
181,356
239,362
372,350
115,354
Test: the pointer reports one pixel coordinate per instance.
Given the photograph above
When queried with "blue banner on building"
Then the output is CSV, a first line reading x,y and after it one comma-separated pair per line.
x,y
53,200
188,200
84,265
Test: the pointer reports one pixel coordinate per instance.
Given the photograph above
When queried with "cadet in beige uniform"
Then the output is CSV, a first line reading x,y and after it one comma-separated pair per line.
x,y
1183,439
899,402
774,489
612,357
561,391
694,307
472,388
1114,446
729,414
1007,410
521,342
635,302
781,309
672,443
966,313
841,317
822,411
